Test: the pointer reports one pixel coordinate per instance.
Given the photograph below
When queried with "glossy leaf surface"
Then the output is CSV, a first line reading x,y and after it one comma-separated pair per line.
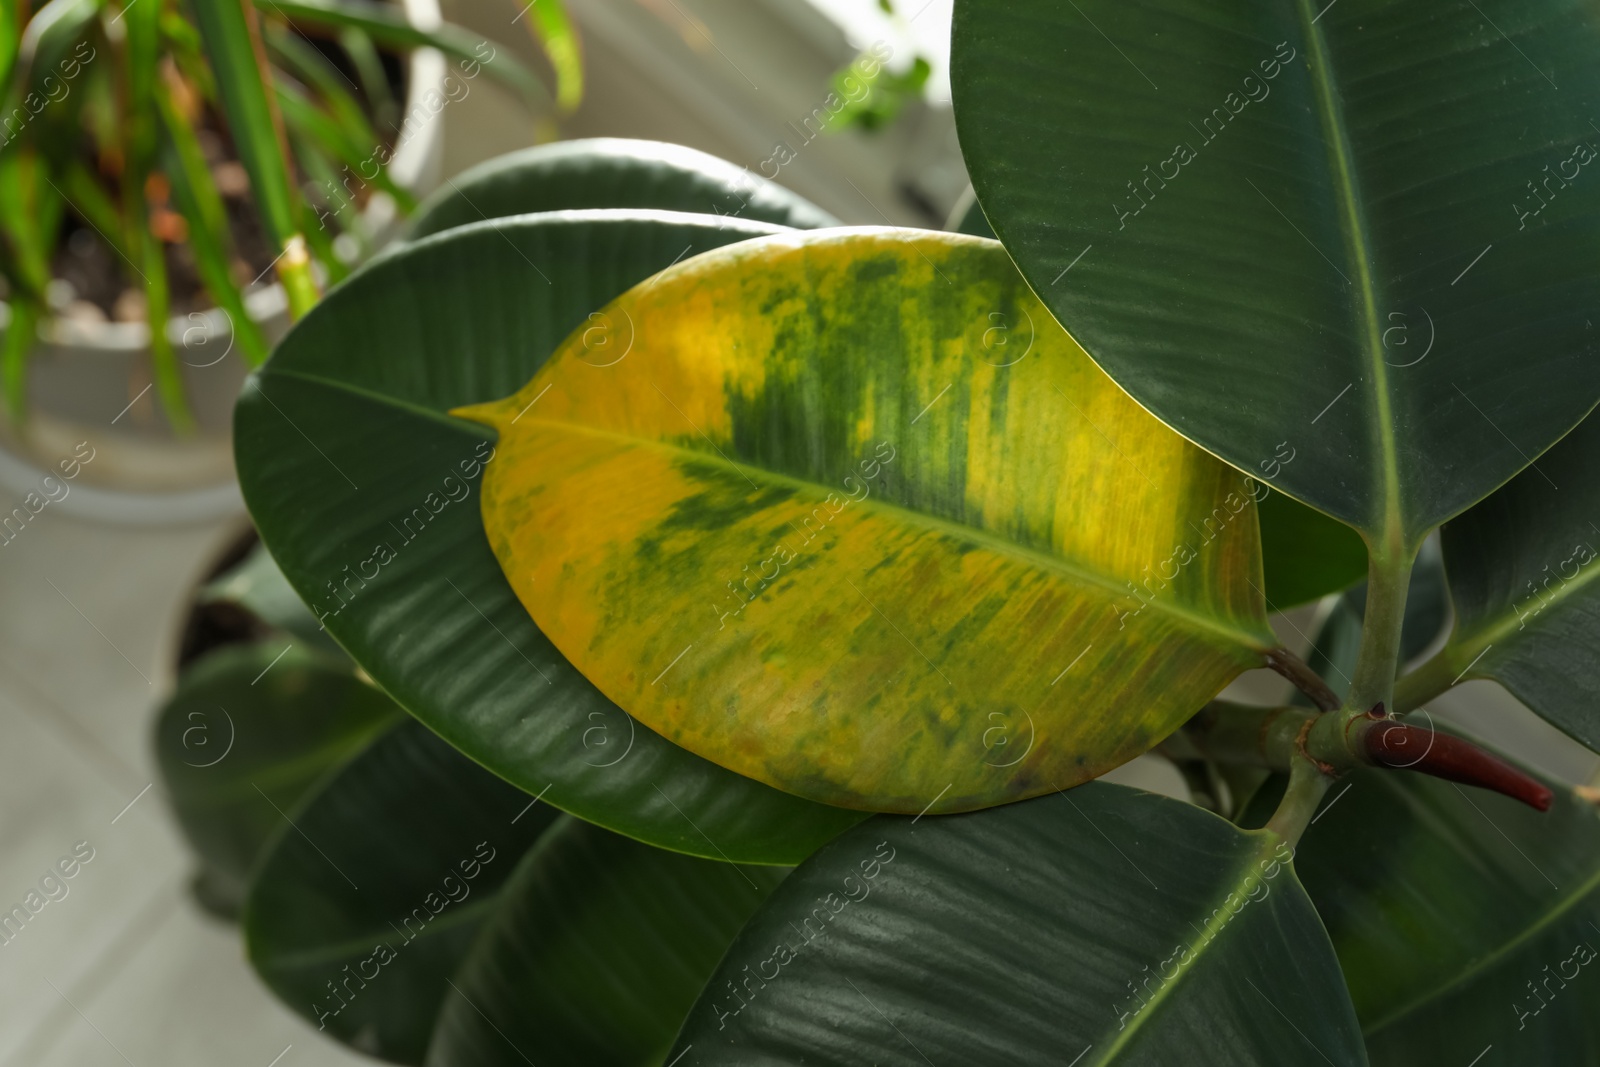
x,y
364,489
1522,569
1173,938
1463,920
596,954
363,910
612,172
245,738
854,517
1270,220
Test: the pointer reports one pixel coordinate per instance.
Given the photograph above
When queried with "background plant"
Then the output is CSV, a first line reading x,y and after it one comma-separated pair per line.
x,y
102,104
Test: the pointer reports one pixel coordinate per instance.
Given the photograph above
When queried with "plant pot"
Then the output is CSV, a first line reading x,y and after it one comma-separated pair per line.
x,y
91,382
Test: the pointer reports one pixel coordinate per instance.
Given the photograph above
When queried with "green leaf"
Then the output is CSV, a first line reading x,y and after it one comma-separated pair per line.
x,y
370,73
360,913
89,200
229,42
30,208
245,738
612,172
327,81
1455,915
346,457
1242,211
10,38
1105,924
237,60
548,21
595,955
22,329
195,193
47,36
1522,566
387,24
304,118
994,574
1305,554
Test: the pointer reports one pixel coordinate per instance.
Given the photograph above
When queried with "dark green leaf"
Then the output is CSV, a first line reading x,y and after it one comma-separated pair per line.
x,y
1242,211
245,738
1099,926
1456,916
596,954
225,28
612,172
358,916
1522,566
347,458
196,196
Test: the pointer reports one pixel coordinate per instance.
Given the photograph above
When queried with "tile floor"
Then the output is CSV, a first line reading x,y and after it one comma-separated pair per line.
x,y
123,969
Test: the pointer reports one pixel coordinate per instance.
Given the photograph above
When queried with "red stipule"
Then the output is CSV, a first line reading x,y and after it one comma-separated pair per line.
x,y
1403,746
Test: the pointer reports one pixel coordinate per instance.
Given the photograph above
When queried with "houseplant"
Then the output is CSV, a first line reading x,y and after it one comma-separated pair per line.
x,y
126,169
890,538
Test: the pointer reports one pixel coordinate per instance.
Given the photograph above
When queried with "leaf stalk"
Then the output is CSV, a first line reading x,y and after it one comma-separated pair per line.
x,y
1284,739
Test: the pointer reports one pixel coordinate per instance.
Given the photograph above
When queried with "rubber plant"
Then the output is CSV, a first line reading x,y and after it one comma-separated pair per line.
x,y
749,543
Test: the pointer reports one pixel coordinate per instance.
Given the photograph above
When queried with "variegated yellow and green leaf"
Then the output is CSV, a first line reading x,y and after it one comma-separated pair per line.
x,y
849,513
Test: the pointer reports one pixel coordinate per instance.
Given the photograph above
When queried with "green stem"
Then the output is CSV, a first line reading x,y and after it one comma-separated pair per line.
x,y
1225,732
294,271
1388,576
1427,681
1307,785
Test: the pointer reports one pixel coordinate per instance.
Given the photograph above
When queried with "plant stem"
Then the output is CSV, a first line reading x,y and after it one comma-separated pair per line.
x,y
294,271
1225,732
1426,682
1388,576
1303,678
1307,784
1281,739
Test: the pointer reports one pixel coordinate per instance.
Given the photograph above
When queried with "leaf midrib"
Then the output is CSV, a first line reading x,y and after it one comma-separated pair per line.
x,y
1336,136
1255,642
410,407
1213,926
1498,628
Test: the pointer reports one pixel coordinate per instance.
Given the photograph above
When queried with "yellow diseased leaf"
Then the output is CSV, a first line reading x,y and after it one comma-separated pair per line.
x,y
849,513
